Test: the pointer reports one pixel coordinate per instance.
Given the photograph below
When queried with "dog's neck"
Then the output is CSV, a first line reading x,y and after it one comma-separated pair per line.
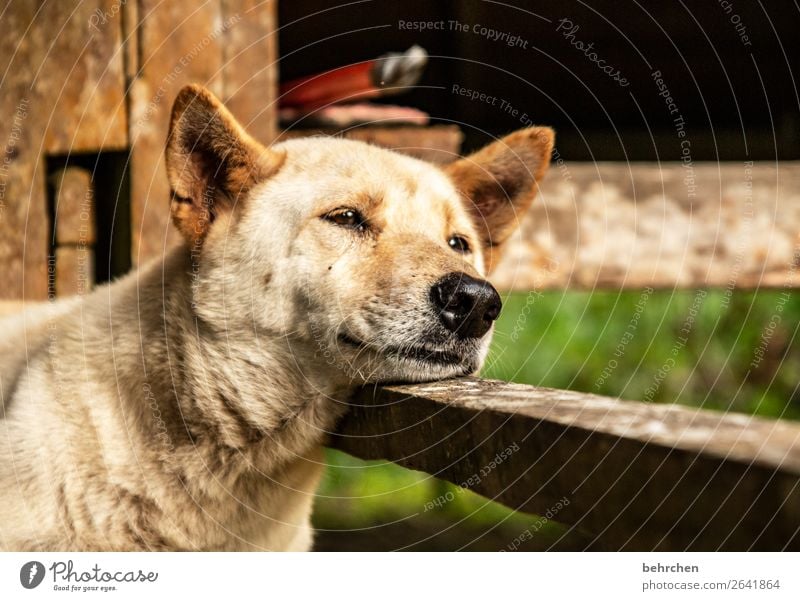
x,y
231,388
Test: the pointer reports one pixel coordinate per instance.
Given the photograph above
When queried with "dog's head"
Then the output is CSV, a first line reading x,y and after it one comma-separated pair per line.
x,y
358,257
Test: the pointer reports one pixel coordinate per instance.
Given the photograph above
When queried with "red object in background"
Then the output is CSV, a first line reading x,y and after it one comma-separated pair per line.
x,y
388,74
358,113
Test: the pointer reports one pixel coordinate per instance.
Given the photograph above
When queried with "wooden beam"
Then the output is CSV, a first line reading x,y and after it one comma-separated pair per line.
x,y
177,45
250,63
637,476
74,213
63,92
630,225
74,270
214,44
73,206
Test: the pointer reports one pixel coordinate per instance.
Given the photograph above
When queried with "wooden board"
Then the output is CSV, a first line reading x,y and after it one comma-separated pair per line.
x,y
636,476
213,44
73,206
631,225
250,82
178,44
63,92
74,270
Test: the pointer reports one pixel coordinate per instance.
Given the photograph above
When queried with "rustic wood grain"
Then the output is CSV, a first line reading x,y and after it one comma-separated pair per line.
x,y
74,212
630,225
74,206
74,270
62,92
635,475
230,47
178,44
82,79
250,82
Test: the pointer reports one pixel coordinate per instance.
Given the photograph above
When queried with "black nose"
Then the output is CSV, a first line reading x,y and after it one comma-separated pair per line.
x,y
466,306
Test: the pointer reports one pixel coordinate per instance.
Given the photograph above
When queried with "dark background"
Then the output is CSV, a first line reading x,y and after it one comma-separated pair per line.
x,y
740,102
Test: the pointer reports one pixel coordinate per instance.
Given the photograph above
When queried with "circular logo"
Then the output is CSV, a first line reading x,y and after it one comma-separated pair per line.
x,y
31,574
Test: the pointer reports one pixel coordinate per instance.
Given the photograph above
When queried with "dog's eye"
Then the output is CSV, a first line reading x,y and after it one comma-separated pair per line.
x,y
349,218
458,244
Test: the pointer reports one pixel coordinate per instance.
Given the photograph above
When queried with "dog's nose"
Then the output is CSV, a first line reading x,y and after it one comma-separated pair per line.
x,y
466,306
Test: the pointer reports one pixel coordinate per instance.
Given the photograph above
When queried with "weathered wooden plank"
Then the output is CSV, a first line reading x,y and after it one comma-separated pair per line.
x,y
74,206
74,214
178,44
215,44
68,57
82,79
630,225
436,143
24,226
62,93
74,270
250,84
637,476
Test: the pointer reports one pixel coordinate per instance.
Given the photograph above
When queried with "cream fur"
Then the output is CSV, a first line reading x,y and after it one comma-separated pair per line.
x,y
185,406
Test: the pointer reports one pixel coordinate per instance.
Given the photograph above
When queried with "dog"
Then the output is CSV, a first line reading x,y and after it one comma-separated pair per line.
x,y
185,405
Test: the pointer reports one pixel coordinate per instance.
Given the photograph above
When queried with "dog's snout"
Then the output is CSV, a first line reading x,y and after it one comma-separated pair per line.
x,y
466,305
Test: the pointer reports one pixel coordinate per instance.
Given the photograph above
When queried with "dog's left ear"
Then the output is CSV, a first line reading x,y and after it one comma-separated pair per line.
x,y
212,163
500,181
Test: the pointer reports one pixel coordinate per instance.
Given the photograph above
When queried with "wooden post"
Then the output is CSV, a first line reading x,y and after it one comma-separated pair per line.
x,y
214,44
63,92
74,231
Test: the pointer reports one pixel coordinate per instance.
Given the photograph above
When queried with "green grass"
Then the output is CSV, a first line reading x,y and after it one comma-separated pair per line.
x,y
705,349
704,343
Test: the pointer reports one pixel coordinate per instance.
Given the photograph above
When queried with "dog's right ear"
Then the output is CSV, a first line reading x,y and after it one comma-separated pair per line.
x,y
212,163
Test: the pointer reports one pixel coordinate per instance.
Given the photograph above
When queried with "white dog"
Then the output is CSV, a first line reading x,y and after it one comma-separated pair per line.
x,y
185,405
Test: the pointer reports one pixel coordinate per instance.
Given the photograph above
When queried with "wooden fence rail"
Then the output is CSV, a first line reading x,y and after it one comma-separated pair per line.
x,y
634,476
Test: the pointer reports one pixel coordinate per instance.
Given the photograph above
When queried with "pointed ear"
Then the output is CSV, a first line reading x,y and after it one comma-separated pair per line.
x,y
500,181
212,163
